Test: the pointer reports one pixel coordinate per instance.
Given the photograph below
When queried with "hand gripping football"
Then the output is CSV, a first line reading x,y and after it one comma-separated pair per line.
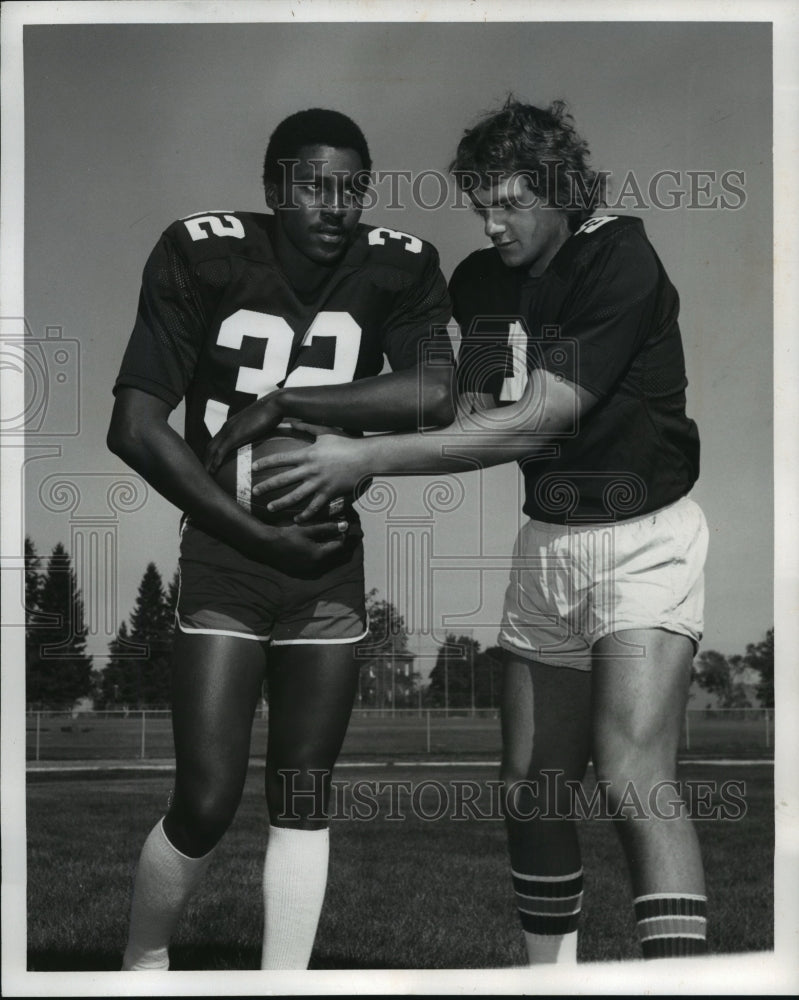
x,y
237,478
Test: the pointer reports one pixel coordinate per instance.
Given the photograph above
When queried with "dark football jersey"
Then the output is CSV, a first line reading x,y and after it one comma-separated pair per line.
x,y
219,323
604,316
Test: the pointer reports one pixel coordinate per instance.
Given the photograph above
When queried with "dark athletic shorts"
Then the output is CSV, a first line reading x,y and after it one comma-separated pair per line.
x,y
223,593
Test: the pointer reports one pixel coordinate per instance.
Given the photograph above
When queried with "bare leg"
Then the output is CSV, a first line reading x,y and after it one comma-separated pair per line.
x,y
641,680
311,693
216,685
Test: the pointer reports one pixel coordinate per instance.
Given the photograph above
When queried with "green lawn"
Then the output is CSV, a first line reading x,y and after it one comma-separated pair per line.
x,y
408,893
98,736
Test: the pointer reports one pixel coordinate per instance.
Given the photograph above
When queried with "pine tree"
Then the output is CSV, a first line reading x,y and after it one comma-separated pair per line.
x,y
137,674
151,625
33,579
33,594
58,670
117,682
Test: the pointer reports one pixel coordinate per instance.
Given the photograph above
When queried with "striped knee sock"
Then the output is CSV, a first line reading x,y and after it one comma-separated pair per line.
x,y
549,908
671,924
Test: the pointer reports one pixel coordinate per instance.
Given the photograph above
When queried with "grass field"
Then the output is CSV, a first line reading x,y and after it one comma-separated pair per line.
x,y
409,893
99,736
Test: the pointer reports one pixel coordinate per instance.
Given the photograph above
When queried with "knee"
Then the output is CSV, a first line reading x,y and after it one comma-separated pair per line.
x,y
298,796
546,794
629,771
548,773
515,788
198,818
512,772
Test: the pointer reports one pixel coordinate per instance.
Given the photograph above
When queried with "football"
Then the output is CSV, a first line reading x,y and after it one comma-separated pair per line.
x,y
236,477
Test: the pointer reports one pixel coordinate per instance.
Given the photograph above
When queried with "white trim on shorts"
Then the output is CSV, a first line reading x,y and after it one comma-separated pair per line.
x,y
188,630
219,631
267,638
320,642
525,653
208,631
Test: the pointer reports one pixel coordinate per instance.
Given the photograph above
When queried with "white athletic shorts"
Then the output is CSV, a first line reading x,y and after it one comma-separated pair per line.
x,y
571,585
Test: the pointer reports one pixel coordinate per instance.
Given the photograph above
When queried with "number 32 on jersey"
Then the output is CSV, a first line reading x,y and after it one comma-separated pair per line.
x,y
279,338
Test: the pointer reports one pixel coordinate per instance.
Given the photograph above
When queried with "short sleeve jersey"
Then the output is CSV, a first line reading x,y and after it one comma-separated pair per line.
x,y
219,323
603,315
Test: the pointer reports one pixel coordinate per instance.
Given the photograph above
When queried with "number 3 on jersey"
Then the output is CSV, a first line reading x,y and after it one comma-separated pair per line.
x,y
279,338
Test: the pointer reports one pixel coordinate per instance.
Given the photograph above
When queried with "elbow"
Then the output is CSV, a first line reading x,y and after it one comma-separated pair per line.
x,y
117,442
439,410
114,439
122,438
135,433
444,410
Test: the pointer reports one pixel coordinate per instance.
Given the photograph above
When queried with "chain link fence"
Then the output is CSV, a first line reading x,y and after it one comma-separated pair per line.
x,y
470,734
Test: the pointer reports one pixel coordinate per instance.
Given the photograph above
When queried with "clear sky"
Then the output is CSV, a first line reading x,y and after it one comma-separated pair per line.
x,y
129,126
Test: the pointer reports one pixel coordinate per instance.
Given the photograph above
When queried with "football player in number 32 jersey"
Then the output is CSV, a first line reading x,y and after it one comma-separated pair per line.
x,y
297,309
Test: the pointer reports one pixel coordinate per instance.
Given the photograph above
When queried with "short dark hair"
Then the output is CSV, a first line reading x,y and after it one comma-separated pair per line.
x,y
312,127
538,143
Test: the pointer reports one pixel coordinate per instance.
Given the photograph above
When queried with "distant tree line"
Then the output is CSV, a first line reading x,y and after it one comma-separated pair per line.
x,y
725,676
137,674
464,675
57,669
387,678
59,672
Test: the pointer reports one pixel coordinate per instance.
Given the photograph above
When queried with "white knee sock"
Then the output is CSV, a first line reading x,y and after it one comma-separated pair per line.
x,y
551,948
165,879
295,877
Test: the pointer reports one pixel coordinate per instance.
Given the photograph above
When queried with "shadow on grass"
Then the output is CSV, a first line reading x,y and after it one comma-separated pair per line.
x,y
337,960
183,959
73,961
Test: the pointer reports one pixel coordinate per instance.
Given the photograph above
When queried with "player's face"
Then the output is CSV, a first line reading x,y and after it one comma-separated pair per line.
x,y
526,232
319,205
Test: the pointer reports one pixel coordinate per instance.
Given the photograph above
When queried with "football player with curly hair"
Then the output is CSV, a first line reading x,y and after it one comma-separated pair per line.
x,y
571,363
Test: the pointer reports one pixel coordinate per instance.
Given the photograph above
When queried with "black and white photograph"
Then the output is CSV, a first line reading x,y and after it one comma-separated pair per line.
x,y
399,574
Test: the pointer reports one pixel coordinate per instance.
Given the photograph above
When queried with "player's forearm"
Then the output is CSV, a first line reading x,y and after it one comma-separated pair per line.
x,y
481,438
478,438
166,462
396,401
448,450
